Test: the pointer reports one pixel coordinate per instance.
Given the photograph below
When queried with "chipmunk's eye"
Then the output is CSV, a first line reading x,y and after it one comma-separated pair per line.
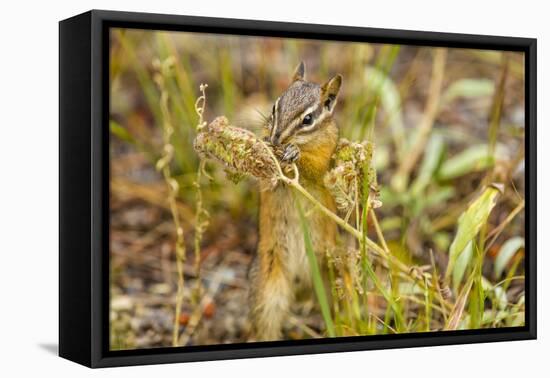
x,y
308,119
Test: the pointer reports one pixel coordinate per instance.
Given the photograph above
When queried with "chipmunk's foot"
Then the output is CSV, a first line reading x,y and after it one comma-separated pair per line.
x,y
291,154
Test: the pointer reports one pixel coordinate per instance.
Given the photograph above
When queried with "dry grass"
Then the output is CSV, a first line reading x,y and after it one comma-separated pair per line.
x,y
444,251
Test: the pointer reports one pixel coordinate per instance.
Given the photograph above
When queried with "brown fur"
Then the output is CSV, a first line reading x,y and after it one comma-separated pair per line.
x,y
281,265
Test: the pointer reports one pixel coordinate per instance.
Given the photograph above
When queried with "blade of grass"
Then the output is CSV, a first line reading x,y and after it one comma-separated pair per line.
x,y
458,309
473,159
384,63
124,135
428,298
229,88
477,298
183,78
144,78
506,253
494,234
462,263
367,268
496,109
316,274
468,88
469,225
388,97
401,177
432,158
335,300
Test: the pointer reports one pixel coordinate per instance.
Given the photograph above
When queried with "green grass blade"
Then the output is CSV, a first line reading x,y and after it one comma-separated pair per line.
x,y
388,95
462,263
397,312
124,135
498,104
472,159
458,309
121,133
432,158
477,297
316,275
229,89
468,88
469,225
144,78
507,251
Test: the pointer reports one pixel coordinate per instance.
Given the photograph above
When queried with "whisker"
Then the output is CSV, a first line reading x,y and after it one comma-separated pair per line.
x,y
264,117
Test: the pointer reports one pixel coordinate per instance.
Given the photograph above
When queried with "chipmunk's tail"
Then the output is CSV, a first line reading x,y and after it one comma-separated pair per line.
x,y
270,297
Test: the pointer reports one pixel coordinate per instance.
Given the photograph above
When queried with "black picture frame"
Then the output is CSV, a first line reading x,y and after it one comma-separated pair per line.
x,y
84,187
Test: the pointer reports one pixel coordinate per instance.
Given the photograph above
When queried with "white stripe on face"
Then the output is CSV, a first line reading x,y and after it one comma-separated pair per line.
x,y
316,122
298,121
275,118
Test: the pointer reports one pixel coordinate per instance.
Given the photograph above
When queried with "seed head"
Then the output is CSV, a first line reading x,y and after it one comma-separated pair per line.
x,y
239,150
352,175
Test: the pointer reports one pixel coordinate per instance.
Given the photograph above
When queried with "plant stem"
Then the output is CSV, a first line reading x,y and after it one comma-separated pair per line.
x,y
346,226
200,226
201,215
385,254
379,231
163,165
496,108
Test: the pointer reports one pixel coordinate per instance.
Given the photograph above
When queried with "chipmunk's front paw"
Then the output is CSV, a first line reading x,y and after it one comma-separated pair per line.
x,y
291,153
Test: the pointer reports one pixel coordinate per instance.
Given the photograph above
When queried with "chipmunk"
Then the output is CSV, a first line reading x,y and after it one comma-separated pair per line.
x,y
302,126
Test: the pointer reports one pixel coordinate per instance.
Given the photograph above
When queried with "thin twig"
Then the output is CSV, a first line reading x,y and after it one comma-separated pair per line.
x,y
163,165
495,233
201,215
379,231
304,327
385,324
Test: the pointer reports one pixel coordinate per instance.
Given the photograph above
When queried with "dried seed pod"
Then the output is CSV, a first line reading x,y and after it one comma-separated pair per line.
x,y
352,175
239,150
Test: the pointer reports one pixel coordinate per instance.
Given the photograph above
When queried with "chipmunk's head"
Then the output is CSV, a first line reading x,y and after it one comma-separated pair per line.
x,y
304,110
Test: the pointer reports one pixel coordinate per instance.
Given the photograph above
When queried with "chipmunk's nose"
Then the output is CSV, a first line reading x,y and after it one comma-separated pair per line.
x,y
276,138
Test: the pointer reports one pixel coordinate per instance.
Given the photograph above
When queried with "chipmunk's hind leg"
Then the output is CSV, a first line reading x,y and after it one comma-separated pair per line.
x,y
270,298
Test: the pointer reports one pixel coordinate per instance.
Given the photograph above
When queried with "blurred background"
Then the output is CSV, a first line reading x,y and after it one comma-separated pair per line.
x,y
446,123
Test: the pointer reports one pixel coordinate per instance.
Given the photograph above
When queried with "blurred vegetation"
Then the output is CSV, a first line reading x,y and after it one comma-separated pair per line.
x,y
448,130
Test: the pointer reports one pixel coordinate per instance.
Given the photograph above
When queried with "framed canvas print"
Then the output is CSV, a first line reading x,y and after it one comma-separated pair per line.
x,y
234,188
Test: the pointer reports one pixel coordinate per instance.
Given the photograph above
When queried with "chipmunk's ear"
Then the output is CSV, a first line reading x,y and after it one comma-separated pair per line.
x,y
329,92
299,72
